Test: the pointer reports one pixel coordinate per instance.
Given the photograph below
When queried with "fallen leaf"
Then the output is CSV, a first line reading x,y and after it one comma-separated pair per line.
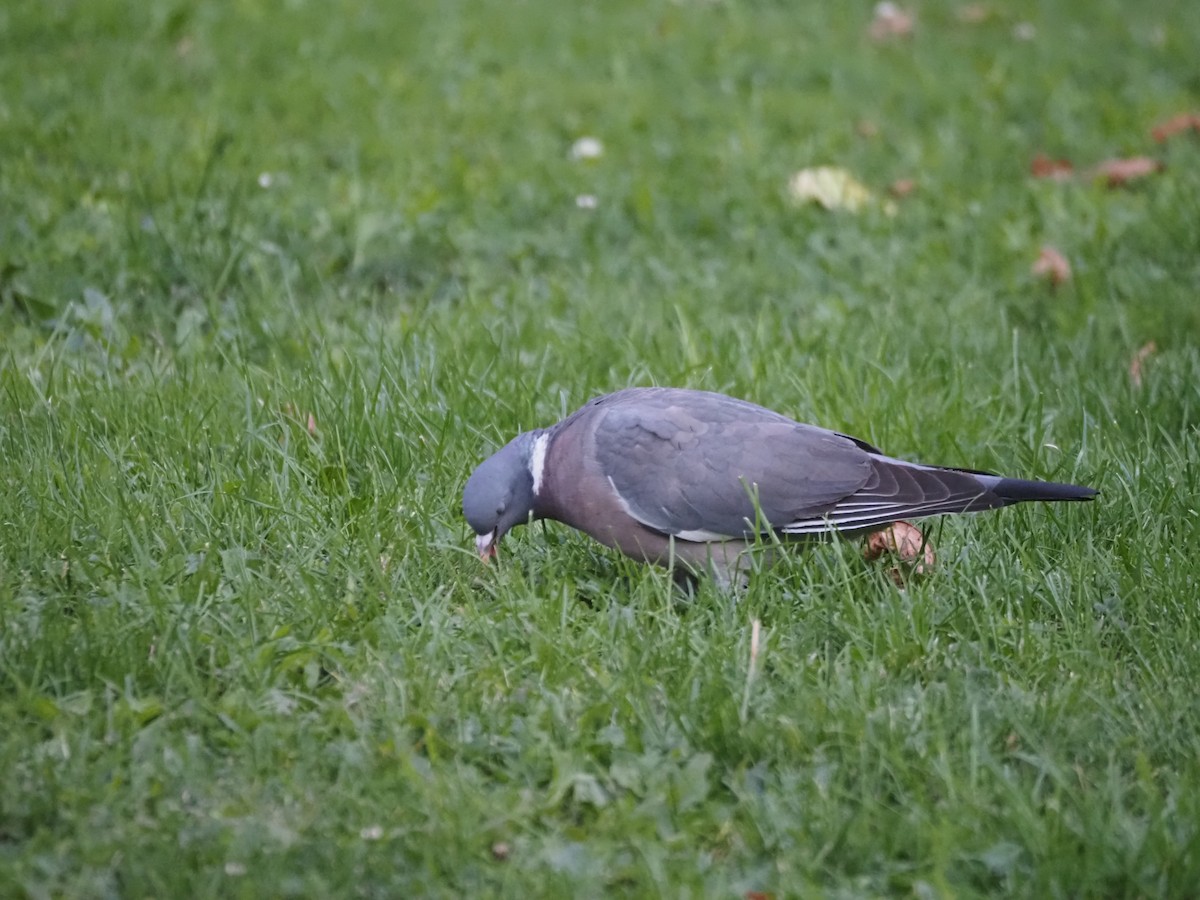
x,y
1176,125
866,128
890,22
1042,166
902,187
501,850
307,420
973,13
1052,266
1119,172
831,187
905,541
1139,361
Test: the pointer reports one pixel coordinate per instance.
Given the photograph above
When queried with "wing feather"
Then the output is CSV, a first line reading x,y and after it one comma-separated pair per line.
x,y
899,490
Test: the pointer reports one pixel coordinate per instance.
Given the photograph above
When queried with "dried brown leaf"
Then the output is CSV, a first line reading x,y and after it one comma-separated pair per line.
x,y
890,22
905,541
501,850
1138,363
1176,125
1043,166
1052,266
866,128
973,13
1119,172
902,187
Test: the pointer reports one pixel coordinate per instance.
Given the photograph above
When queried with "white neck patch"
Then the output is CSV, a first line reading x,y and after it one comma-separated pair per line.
x,y
537,461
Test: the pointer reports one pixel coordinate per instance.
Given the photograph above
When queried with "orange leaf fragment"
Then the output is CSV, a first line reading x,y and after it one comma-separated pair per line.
x,y
866,128
1042,166
905,541
974,13
1119,172
890,22
1139,360
1052,266
1176,125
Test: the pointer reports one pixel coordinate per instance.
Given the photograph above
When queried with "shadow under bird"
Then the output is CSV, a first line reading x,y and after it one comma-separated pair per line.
x,y
673,476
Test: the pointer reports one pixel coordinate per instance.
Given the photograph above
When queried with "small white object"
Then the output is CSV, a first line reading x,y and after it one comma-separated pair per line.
x,y
587,148
587,201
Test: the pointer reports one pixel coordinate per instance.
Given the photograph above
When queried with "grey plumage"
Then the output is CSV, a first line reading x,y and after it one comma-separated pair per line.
x,y
665,474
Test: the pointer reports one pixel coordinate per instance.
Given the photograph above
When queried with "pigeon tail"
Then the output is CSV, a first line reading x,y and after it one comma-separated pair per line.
x,y
1018,490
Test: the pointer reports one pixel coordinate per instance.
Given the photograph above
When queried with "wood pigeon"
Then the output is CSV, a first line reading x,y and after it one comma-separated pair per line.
x,y
673,476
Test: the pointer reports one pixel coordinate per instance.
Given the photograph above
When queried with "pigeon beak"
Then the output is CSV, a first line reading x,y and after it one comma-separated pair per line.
x,y
485,544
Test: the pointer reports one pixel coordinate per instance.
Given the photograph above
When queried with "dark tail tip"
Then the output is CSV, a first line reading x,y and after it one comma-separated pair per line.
x,y
1016,490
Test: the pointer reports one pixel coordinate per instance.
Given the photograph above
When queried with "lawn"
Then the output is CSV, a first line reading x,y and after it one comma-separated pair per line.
x,y
276,274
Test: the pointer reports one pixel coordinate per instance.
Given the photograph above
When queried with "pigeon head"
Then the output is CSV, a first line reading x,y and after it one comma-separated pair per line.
x,y
500,493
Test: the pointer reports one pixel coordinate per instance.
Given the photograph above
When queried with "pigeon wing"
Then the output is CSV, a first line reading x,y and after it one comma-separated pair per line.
x,y
704,467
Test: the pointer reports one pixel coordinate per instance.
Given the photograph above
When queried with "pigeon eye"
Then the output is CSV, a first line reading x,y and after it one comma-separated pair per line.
x,y
500,510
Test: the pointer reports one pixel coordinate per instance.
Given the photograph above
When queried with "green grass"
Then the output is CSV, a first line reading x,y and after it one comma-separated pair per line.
x,y
246,652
